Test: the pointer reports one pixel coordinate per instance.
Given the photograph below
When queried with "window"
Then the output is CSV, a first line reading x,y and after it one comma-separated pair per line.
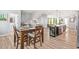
x,y
3,17
55,21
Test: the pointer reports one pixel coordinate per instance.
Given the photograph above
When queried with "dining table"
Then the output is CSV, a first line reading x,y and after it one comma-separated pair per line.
x,y
27,30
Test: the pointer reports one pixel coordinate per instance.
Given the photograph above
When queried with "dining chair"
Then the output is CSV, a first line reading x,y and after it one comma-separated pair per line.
x,y
17,37
42,31
36,36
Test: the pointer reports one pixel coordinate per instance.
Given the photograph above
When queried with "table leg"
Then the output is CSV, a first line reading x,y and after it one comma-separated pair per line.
x,y
22,41
14,39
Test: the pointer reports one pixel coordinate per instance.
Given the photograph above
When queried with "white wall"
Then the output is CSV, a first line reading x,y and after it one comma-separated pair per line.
x,y
26,17
29,15
5,26
72,25
41,18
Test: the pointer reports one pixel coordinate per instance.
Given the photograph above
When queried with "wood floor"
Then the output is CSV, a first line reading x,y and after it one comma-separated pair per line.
x,y
67,40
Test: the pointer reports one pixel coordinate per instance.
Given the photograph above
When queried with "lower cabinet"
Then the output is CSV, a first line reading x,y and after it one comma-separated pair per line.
x,y
56,30
53,31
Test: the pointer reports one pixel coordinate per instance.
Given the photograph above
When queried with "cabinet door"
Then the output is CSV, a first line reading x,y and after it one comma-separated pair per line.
x,y
53,31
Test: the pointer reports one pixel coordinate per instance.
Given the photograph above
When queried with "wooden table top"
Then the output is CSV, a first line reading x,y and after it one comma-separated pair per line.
x,y
26,28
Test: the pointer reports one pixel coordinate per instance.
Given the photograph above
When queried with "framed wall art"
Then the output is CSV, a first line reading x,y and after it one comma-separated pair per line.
x,y
3,17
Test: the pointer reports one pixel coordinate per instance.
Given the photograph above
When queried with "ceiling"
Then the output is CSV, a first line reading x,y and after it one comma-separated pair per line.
x,y
59,13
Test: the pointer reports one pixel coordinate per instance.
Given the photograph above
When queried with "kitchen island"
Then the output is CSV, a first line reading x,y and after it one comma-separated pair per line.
x,y
56,30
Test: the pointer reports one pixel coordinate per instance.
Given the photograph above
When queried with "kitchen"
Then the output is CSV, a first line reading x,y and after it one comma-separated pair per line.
x,y
41,17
